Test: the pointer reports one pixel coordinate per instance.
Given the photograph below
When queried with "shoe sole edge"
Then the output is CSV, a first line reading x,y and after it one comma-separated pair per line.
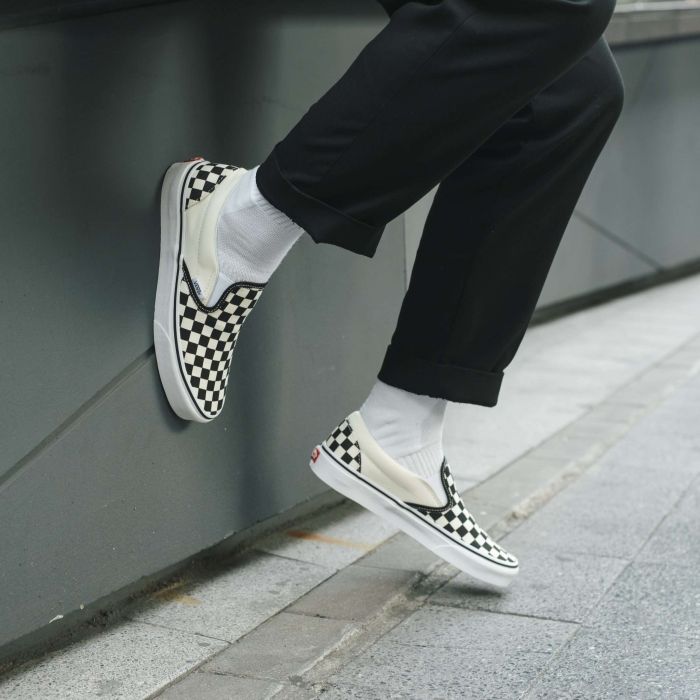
x,y
342,481
164,331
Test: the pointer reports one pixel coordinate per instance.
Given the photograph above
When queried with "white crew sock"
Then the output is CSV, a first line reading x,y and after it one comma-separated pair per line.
x,y
253,236
408,427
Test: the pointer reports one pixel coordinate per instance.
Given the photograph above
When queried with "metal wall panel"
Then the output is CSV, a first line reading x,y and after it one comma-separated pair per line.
x,y
639,212
101,484
644,188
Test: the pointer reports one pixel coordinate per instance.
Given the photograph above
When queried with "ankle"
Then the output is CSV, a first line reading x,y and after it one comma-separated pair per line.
x,y
407,426
425,462
253,236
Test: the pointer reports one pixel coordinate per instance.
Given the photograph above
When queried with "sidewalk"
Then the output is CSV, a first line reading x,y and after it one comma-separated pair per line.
x,y
589,470
607,605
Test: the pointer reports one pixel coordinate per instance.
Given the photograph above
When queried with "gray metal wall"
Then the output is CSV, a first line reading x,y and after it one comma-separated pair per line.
x,y
639,213
99,483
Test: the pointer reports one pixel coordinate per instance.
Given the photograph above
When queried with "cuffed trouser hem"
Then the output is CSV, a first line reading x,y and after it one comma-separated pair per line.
x,y
321,221
459,384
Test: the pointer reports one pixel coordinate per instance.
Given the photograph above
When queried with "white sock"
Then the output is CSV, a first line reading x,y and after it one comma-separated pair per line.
x,y
253,236
408,427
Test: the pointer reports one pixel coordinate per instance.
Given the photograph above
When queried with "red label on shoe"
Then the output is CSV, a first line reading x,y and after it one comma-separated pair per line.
x,y
191,160
315,454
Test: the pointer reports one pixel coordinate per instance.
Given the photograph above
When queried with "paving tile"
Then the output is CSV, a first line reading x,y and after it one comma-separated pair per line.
x,y
673,430
447,653
609,664
347,692
488,512
608,413
572,365
128,660
439,626
403,553
355,593
209,686
334,538
650,597
550,584
296,692
669,439
600,514
595,429
474,438
569,446
686,356
675,540
666,439
678,418
518,481
652,386
645,450
235,600
284,646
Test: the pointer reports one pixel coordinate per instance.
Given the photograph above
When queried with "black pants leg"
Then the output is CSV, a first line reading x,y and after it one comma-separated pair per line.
x,y
507,104
491,234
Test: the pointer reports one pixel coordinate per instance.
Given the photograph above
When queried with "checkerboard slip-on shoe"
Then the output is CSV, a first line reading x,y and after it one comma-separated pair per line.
x,y
194,333
350,461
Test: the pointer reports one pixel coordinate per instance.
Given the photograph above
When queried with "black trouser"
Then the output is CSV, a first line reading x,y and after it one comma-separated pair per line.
x,y
505,103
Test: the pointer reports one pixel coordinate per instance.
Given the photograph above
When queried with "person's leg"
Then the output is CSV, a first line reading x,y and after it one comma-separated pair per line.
x,y
491,235
422,96
487,245
419,100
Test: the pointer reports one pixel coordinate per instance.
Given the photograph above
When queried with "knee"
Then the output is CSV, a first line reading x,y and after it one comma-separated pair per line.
x,y
597,15
613,92
585,20
607,90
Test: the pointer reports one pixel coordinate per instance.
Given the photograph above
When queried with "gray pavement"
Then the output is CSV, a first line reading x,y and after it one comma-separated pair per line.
x,y
607,604
599,501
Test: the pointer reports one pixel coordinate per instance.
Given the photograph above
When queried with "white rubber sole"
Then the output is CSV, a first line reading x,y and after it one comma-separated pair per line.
x,y
165,332
374,499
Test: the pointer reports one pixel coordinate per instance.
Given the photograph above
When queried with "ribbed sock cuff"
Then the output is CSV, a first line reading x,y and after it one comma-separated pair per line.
x,y
276,217
424,463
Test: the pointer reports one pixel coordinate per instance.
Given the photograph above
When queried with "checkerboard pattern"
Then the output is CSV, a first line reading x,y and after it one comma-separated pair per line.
x,y
458,523
208,336
453,518
204,179
347,450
